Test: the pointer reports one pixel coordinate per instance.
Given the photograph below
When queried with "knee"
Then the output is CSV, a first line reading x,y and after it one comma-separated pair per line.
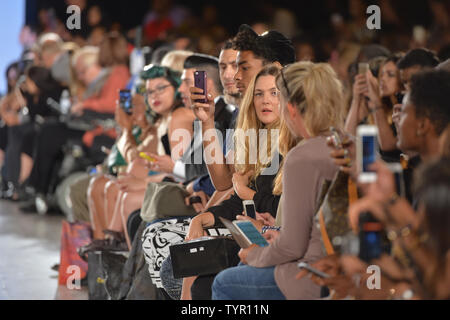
x,y
111,187
96,187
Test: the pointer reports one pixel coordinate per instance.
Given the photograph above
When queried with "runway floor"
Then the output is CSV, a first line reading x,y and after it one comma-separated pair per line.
x,y
29,247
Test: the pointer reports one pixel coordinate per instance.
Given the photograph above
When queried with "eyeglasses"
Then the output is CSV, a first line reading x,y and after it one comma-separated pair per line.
x,y
158,90
285,82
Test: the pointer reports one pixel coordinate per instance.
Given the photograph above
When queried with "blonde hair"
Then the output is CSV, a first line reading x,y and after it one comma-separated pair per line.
x,y
88,54
247,121
315,90
175,59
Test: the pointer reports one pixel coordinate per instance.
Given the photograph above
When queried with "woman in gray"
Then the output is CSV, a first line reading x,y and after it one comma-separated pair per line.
x,y
311,103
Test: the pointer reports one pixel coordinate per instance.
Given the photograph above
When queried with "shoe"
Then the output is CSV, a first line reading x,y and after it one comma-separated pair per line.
x,y
101,245
55,267
116,235
41,204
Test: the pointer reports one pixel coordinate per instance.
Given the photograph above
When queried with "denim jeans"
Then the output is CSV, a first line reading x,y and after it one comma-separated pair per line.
x,y
246,283
172,286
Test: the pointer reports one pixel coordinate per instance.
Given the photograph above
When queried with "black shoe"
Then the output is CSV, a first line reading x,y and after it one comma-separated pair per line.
x,y
102,245
55,267
28,206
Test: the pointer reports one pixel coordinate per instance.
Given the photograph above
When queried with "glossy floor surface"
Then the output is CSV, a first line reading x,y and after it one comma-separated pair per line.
x,y
29,247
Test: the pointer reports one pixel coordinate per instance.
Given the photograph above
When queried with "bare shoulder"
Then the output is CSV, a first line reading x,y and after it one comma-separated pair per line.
x,y
182,117
183,113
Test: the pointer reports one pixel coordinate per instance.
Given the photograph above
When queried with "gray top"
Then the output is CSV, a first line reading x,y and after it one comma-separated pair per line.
x,y
306,167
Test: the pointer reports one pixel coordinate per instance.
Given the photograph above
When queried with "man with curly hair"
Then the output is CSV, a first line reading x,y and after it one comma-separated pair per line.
x,y
255,51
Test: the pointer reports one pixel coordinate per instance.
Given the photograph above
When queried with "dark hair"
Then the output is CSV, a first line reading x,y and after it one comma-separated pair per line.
x,y
227,45
432,190
429,95
206,63
271,46
418,57
113,50
153,71
43,79
13,67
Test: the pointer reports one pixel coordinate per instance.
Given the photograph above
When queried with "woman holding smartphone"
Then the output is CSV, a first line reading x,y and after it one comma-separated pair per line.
x,y
311,103
125,194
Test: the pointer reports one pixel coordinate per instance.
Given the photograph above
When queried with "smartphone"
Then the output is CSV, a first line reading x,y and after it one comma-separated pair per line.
x,y
145,156
372,238
250,233
397,170
249,208
125,101
200,82
363,67
304,265
367,152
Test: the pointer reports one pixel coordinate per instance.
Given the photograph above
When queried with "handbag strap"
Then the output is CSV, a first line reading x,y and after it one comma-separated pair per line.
x,y
352,192
352,197
323,231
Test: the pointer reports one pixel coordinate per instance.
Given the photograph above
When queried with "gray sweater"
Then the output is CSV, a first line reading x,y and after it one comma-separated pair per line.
x,y
306,167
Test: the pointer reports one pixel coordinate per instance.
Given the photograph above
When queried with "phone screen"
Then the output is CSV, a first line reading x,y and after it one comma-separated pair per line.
x,y
371,238
125,100
368,152
200,82
250,210
252,233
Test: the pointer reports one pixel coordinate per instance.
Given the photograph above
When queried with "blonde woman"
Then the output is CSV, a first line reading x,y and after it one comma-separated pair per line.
x,y
258,180
259,111
311,102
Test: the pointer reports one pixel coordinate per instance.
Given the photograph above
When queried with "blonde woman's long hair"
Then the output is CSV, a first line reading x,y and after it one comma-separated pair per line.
x,y
315,90
248,121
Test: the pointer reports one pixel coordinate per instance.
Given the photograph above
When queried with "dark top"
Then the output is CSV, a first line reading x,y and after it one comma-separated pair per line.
x,y
265,200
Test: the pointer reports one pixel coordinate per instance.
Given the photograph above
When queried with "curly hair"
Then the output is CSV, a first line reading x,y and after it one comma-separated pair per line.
x,y
429,95
271,46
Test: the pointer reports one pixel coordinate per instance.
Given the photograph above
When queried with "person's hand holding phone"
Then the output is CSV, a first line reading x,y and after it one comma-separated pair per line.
x,y
373,92
203,111
257,223
123,119
344,156
360,88
266,218
271,235
162,163
329,265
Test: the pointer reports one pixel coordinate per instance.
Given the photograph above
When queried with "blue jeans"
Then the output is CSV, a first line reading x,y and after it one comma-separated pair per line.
x,y
246,283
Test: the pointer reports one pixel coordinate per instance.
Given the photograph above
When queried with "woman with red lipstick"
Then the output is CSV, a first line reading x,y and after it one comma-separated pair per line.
x,y
125,194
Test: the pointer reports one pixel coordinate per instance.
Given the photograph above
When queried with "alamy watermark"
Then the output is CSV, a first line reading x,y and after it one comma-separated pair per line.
x,y
74,20
374,21
257,142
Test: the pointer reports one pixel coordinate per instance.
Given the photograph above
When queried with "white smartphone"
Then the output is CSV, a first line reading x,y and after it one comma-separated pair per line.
x,y
249,208
397,169
251,234
366,152
304,265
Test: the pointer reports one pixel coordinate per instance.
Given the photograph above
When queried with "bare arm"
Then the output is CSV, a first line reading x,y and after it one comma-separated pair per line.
x,y
181,131
220,172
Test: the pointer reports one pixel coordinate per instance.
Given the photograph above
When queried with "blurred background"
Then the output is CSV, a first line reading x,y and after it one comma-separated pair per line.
x,y
322,30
